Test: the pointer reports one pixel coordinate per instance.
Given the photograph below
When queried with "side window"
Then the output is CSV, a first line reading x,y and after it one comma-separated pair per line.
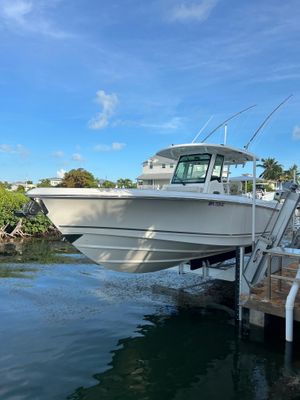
x,y
218,168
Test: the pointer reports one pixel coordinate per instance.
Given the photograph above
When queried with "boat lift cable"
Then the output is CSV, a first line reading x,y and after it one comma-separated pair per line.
x,y
265,121
227,120
202,129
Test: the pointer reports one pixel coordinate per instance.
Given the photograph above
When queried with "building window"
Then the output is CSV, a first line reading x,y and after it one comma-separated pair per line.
x,y
163,165
151,166
171,165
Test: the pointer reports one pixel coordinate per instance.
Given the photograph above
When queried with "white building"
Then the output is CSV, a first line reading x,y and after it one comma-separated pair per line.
x,y
55,181
25,185
52,181
157,171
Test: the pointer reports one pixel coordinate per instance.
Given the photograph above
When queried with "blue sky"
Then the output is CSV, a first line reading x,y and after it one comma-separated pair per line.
x,y
105,84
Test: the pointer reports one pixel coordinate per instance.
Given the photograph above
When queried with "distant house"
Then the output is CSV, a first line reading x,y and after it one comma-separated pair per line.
x,y
157,171
55,181
25,185
52,181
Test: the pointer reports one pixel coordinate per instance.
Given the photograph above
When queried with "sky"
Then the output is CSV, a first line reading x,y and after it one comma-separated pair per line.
x,y
103,85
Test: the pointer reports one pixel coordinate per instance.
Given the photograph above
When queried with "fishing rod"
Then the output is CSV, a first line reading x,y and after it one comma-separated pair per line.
x,y
266,120
202,129
228,119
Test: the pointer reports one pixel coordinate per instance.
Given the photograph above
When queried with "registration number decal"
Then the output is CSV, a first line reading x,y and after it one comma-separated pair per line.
x,y
216,204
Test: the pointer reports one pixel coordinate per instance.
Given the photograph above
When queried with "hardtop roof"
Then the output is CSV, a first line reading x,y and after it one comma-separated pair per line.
x,y
232,155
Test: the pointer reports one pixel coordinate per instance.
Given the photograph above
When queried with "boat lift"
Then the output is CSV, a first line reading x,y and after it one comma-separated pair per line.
x,y
248,274
256,267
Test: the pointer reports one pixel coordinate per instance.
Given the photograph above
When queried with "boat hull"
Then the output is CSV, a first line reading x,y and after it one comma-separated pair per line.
x,y
148,232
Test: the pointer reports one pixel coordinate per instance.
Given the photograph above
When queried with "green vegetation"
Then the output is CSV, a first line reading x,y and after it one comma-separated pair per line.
x,y
44,183
108,185
126,183
13,201
273,171
5,185
10,202
79,178
121,183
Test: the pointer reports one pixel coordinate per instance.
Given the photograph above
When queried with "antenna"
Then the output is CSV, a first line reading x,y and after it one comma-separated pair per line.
x,y
202,129
266,120
228,119
225,134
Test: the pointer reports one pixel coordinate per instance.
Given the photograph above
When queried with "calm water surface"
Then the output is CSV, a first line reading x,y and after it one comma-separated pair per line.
x,y
73,330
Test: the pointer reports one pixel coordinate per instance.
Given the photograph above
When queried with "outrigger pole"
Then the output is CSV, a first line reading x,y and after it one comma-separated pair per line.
x,y
265,121
254,170
228,119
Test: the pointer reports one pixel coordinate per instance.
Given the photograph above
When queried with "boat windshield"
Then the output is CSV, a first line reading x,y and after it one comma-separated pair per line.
x,y
191,169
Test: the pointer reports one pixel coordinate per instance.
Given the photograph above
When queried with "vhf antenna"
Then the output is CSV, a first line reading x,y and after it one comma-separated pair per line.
x,y
228,119
265,121
202,129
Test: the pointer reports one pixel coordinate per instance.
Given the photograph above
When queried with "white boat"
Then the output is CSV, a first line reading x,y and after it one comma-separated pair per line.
x,y
149,230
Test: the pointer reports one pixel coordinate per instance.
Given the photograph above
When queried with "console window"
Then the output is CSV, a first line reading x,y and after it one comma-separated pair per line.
x,y
192,169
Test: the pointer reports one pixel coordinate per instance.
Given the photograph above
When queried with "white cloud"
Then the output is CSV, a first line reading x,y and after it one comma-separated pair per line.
x,y
77,157
29,16
18,149
60,173
296,132
197,10
16,10
102,147
115,146
58,154
172,124
108,102
6,148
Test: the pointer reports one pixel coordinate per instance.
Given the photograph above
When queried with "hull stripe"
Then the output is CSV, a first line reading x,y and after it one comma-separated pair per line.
x,y
156,230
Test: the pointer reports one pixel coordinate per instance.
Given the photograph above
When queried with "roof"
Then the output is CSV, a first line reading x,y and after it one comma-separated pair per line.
x,y
156,159
232,155
164,175
244,178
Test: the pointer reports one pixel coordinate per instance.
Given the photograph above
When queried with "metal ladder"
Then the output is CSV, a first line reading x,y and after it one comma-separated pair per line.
x,y
256,267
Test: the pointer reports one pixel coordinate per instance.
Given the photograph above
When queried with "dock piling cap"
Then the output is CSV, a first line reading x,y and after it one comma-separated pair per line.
x,y
232,155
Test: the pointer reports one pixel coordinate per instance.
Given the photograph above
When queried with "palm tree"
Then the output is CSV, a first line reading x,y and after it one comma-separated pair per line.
x,y
292,172
272,169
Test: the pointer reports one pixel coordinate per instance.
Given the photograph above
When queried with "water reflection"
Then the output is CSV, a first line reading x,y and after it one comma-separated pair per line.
x,y
14,271
187,355
42,251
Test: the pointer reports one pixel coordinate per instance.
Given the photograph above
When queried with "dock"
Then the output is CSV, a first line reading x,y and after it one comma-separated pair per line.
x,y
269,297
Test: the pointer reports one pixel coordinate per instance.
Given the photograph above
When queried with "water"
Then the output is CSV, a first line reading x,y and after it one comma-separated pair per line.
x,y
73,330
